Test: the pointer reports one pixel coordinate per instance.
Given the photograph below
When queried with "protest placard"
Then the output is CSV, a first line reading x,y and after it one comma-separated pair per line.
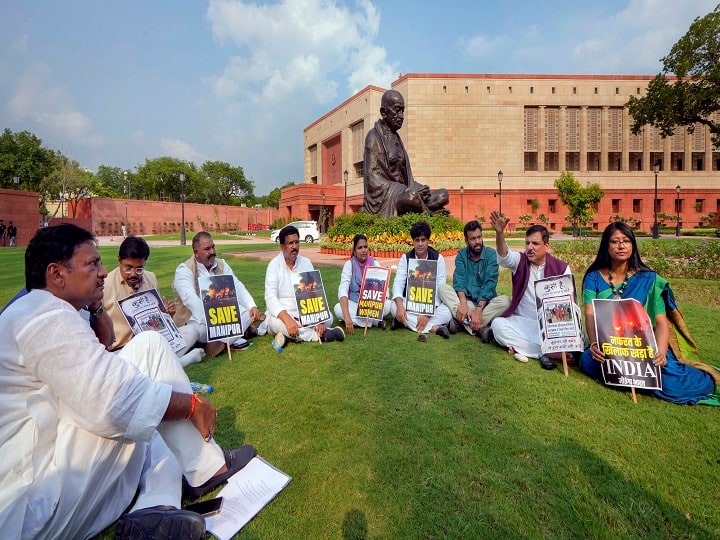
x,y
559,315
220,305
421,286
373,292
625,336
310,297
145,310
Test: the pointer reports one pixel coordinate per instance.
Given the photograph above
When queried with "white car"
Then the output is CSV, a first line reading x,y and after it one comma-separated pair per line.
x,y
309,231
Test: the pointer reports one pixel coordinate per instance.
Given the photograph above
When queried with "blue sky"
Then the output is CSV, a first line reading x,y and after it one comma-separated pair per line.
x,y
116,83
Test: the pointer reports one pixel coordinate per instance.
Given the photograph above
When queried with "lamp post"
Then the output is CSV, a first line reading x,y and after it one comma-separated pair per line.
x,y
345,178
127,198
462,195
182,209
677,209
655,231
257,207
499,193
322,213
16,180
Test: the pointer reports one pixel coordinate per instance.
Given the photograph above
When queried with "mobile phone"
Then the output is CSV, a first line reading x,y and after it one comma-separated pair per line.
x,y
206,508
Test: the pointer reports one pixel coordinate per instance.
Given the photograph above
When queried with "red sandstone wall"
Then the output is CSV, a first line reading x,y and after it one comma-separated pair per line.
x,y
20,207
156,217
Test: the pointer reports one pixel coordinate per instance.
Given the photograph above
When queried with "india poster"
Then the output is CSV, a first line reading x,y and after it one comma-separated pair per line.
x,y
625,335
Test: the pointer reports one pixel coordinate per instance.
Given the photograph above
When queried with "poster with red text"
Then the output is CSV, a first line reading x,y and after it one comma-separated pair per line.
x,y
373,292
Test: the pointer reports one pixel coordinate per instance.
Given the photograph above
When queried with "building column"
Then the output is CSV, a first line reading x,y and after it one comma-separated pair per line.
x,y
604,135
583,138
541,138
646,165
625,157
562,119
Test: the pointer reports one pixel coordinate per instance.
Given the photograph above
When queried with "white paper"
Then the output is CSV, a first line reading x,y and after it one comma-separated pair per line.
x,y
246,493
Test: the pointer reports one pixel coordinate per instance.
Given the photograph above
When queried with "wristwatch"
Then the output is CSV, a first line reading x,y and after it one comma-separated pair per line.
x,y
96,313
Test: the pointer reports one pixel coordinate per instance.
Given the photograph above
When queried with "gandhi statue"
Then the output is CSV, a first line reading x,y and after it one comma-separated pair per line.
x,y
390,189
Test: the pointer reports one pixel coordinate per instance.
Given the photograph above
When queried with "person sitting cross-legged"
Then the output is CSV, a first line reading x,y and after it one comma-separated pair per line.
x,y
422,324
472,297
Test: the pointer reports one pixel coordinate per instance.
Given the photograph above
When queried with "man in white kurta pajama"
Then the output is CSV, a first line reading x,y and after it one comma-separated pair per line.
x,y
82,430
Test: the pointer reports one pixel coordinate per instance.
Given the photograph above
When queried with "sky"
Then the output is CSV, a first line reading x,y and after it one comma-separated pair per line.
x,y
117,83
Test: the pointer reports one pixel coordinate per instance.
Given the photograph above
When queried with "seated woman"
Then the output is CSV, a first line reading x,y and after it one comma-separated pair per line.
x,y
619,272
349,289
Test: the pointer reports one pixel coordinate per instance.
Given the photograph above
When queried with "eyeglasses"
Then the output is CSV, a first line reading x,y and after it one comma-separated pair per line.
x,y
616,243
130,269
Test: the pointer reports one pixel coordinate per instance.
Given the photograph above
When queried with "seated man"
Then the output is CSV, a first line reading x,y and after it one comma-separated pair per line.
x,y
84,433
422,324
472,298
130,277
190,314
283,319
518,328
390,189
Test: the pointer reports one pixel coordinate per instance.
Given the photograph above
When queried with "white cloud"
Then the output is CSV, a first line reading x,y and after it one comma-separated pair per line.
x,y
181,150
49,108
297,46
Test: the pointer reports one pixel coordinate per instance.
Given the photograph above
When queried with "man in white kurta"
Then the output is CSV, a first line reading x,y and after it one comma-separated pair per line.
x,y
422,324
518,328
190,316
82,430
283,318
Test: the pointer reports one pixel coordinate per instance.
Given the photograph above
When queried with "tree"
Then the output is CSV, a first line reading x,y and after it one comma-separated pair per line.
x,y
579,200
110,182
695,94
226,184
67,181
22,154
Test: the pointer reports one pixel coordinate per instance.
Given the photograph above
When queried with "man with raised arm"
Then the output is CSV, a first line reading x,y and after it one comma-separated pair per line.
x,y
518,328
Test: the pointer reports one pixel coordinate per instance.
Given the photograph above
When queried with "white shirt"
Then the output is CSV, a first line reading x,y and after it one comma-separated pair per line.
x,y
346,276
185,289
279,290
528,305
70,413
401,277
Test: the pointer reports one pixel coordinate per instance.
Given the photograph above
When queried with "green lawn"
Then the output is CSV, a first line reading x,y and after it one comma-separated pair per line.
x,y
386,437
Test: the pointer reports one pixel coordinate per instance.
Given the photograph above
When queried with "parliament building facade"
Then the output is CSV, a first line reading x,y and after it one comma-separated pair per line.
x,y
460,131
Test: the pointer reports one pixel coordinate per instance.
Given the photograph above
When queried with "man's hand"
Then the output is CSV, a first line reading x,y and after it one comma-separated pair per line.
x,y
349,326
422,322
169,306
462,310
498,222
320,329
204,418
476,319
255,314
401,314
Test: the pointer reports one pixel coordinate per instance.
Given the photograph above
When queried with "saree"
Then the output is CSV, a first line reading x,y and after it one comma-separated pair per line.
x,y
685,379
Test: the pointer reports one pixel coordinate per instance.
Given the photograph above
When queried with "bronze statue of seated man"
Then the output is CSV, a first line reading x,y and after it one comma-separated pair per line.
x,y
390,189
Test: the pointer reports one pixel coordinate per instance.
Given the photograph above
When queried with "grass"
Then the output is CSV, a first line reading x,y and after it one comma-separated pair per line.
x,y
386,437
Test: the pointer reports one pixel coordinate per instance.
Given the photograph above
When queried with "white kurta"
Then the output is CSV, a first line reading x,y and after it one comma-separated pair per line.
x,y
78,425
442,313
521,330
184,285
280,295
344,290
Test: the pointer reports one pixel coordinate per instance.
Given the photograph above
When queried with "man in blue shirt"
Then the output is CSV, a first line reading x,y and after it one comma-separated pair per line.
x,y
473,298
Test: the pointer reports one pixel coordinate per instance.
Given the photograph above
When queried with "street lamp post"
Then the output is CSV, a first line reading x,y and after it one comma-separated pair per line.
x,y
677,209
127,198
462,196
345,178
322,213
182,209
655,231
16,180
499,193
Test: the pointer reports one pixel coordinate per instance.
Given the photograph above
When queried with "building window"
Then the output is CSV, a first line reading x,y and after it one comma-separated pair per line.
x,y
531,161
700,205
596,89
574,89
313,157
637,206
552,205
553,89
358,141
532,90
552,161
615,206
